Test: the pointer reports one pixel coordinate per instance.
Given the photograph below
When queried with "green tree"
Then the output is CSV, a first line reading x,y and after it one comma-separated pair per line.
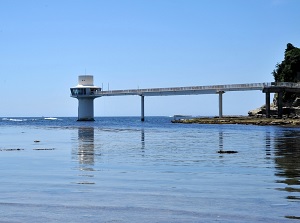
x,y
289,69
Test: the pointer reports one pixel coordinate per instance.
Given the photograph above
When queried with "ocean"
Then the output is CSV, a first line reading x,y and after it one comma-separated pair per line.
x,y
119,169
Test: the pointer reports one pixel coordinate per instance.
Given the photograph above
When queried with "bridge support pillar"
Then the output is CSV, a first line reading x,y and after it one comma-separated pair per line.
x,y
279,103
142,108
267,104
221,103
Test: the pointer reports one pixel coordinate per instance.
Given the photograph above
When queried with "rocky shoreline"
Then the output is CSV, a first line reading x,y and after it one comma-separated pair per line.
x,y
290,116
243,120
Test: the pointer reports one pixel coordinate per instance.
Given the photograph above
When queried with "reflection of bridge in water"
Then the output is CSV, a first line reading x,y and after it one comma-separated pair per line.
x,y
281,148
85,151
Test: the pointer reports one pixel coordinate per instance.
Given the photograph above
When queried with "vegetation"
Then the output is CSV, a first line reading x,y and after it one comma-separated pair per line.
x,y
289,69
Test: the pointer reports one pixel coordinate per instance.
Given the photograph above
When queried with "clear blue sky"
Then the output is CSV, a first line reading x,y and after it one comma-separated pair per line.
x,y
46,44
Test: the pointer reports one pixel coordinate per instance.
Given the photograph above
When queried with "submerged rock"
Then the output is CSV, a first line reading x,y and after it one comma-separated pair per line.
x,y
11,149
44,149
227,151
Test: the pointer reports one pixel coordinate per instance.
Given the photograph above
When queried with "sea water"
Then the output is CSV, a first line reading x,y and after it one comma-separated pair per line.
x,y
119,169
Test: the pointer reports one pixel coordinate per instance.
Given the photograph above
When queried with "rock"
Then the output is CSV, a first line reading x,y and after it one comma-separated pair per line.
x,y
227,151
255,112
274,120
296,102
290,109
36,141
44,149
11,149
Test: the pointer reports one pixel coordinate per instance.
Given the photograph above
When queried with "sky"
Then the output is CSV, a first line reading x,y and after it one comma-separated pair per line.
x,y
128,44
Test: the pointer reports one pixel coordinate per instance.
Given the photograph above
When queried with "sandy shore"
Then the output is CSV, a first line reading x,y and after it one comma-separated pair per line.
x,y
244,120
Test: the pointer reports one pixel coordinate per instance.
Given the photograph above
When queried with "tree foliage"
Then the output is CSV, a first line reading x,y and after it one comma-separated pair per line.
x,y
288,70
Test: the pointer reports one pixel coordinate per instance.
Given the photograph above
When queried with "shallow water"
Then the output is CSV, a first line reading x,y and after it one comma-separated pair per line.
x,y
121,170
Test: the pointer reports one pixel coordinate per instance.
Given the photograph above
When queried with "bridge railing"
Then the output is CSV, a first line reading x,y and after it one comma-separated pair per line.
x,y
232,87
287,84
198,89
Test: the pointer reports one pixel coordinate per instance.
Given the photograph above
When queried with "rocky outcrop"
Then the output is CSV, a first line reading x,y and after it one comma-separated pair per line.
x,y
290,109
244,120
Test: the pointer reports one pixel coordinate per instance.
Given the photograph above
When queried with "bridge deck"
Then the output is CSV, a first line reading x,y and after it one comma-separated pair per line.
x,y
212,89
267,88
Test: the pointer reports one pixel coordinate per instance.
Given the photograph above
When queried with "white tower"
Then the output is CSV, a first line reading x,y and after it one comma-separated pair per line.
x,y
85,92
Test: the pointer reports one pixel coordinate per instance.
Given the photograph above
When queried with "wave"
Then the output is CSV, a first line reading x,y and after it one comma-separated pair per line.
x,y
50,118
29,119
14,119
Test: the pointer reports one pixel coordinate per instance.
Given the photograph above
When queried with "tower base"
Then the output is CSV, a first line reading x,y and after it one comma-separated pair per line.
x,y
85,119
85,109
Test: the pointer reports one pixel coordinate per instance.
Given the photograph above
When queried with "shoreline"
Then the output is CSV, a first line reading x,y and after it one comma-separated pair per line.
x,y
242,120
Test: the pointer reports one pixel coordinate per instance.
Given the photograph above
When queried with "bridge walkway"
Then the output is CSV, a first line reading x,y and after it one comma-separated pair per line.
x,y
267,88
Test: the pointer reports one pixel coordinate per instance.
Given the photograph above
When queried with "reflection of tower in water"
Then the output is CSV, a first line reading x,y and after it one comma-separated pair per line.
x,y
84,154
86,145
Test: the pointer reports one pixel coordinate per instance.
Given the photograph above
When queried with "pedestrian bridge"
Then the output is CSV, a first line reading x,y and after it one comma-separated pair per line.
x,y
212,89
267,88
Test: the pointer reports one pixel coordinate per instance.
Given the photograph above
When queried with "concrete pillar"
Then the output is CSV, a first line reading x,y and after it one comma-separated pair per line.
x,y
267,104
85,109
142,108
279,103
221,103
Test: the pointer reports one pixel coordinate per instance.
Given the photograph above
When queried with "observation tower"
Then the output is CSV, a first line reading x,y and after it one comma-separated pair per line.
x,y
85,92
